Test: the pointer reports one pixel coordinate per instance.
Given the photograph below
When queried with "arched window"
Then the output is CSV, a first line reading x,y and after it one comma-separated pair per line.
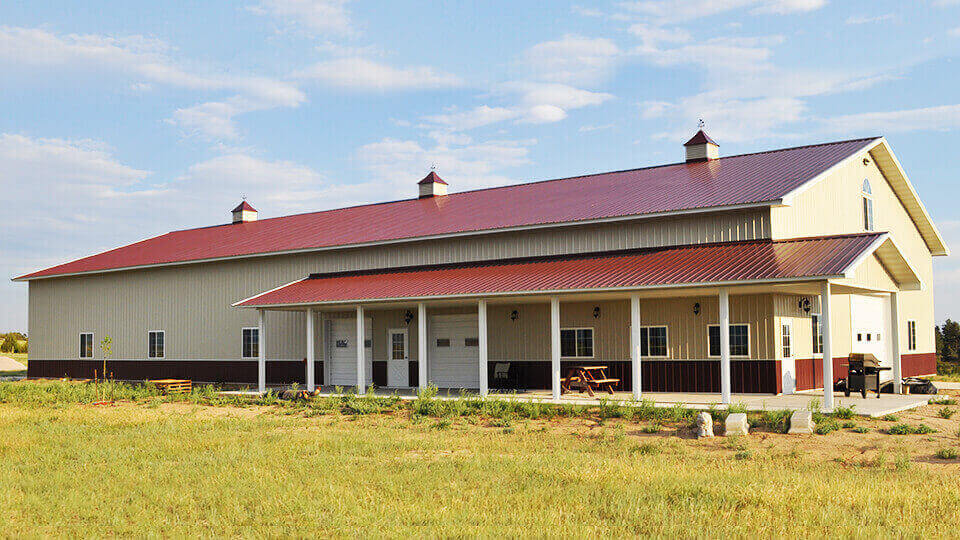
x,y
867,195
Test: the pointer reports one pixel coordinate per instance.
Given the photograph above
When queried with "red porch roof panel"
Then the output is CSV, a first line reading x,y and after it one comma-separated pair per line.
x,y
724,182
708,263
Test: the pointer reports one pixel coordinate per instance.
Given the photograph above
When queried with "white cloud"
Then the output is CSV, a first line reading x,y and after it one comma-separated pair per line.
x,y
572,60
728,120
868,19
672,11
315,16
398,164
585,11
147,62
365,74
652,36
483,115
955,32
942,118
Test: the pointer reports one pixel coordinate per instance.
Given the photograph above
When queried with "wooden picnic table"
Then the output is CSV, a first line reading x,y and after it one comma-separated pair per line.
x,y
587,378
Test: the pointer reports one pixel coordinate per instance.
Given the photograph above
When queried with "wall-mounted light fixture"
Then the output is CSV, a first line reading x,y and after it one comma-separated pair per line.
x,y
804,304
408,316
514,315
866,161
596,312
696,308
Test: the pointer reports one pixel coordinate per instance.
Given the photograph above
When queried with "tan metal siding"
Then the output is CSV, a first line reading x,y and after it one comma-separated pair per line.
x,y
834,206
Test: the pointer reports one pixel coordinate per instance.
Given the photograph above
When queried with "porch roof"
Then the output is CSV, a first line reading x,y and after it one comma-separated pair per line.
x,y
758,261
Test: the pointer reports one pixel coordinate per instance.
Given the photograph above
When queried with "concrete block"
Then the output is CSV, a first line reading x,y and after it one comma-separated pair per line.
x,y
737,424
704,425
801,422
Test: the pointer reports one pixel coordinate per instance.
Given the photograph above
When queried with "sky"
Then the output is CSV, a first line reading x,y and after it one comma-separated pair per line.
x,y
124,120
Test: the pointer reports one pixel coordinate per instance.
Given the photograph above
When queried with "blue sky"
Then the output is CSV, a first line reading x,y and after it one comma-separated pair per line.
x,y
123,120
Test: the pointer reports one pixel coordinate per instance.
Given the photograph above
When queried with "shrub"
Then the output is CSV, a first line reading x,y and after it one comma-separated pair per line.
x,y
777,421
890,418
900,429
652,428
825,426
942,401
946,412
848,425
905,429
861,429
947,453
844,413
743,455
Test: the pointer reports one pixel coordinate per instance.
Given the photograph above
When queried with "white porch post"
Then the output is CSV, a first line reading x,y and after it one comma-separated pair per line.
x,y
895,341
422,345
262,354
555,346
635,345
361,376
725,346
827,346
482,345
311,352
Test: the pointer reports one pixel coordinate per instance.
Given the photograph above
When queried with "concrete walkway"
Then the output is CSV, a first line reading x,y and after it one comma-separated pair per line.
x,y
871,406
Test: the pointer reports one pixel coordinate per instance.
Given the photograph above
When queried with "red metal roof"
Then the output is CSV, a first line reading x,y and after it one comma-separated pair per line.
x,y
700,137
244,206
727,181
432,178
749,261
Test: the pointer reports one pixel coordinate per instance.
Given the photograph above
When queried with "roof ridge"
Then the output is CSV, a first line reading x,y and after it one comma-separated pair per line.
x,y
535,182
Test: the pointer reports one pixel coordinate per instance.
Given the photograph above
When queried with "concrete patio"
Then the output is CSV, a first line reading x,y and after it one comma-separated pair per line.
x,y
871,406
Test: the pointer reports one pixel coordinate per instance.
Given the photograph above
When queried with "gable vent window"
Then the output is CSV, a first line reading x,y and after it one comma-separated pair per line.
x,y
867,195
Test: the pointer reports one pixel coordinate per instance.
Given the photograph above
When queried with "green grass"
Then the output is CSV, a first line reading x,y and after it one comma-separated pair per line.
x,y
136,471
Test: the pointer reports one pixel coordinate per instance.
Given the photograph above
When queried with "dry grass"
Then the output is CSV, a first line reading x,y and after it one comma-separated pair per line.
x,y
159,468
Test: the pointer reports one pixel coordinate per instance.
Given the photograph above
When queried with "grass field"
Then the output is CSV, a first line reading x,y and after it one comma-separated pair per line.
x,y
354,467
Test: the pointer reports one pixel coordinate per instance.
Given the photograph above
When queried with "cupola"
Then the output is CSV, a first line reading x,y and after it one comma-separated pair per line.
x,y
244,213
701,147
432,186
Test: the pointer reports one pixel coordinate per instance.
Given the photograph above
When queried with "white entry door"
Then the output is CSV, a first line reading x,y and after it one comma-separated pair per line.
x,y
870,323
454,351
342,351
398,357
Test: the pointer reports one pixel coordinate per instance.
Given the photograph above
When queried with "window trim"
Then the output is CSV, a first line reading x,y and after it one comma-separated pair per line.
x,y
866,194
593,343
786,323
164,355
749,351
666,332
93,349
814,342
242,330
912,338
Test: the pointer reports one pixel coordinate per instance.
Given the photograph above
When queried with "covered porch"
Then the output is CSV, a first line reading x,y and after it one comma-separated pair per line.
x,y
672,325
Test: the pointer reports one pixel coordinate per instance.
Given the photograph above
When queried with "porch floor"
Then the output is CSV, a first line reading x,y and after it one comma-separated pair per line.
x,y
871,406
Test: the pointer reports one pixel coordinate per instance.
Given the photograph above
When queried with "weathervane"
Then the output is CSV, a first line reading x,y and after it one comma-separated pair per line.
x,y
700,123
433,166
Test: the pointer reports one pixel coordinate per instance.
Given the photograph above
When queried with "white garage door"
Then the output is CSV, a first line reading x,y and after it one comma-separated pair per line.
x,y
342,349
454,351
869,317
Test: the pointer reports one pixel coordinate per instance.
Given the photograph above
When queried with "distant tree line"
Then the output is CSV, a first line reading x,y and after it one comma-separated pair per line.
x,y
13,342
948,346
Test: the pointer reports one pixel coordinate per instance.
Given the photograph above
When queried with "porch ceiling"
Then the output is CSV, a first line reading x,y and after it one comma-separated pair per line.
x,y
675,270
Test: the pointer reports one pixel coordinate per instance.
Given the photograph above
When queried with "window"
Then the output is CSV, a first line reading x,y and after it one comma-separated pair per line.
x,y
786,331
471,342
576,342
817,329
251,343
155,345
443,342
653,341
86,345
739,340
867,194
911,335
